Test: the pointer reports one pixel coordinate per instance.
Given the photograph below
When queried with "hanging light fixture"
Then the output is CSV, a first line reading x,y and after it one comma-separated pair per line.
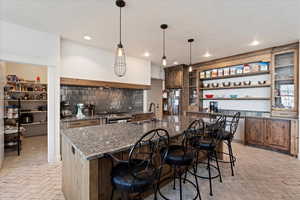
x,y
120,60
190,66
164,58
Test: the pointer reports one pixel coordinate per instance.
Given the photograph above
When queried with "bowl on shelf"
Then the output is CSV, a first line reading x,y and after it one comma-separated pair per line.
x,y
226,84
215,85
247,82
262,82
237,83
233,96
206,85
209,96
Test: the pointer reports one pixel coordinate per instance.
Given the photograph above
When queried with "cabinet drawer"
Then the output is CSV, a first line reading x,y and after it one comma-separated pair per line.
x,y
83,123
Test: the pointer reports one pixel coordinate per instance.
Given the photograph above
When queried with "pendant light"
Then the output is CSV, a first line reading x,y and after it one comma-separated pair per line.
x,y
120,60
190,66
164,58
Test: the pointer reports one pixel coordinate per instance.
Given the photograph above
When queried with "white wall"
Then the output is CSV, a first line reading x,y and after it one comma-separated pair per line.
x,y
2,83
24,45
86,62
157,72
155,96
26,71
299,107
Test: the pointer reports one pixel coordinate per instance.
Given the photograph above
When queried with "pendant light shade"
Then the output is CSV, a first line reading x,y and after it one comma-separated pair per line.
x,y
120,60
164,58
190,65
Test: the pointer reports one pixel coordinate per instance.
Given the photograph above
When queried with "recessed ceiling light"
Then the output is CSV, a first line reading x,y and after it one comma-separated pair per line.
x,y
86,37
254,43
146,54
175,63
207,55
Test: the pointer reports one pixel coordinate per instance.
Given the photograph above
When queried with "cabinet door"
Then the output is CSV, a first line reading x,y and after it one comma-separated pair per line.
x,y
178,79
278,134
254,131
167,79
284,77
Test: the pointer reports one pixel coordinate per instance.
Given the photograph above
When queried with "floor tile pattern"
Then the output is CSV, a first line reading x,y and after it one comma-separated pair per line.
x,y
260,175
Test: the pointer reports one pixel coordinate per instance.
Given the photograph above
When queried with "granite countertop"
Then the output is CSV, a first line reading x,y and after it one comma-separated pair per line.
x,y
102,116
254,114
94,141
74,118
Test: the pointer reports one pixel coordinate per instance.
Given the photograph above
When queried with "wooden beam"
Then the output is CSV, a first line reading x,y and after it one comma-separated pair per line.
x,y
93,83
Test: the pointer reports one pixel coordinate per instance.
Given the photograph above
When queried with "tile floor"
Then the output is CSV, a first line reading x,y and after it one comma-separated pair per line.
x,y
260,175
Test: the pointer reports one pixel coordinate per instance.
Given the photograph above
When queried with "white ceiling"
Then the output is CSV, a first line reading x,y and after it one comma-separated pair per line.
x,y
222,27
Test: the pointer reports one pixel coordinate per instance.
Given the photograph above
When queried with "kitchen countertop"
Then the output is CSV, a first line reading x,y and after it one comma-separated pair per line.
x,y
94,141
74,118
244,114
102,116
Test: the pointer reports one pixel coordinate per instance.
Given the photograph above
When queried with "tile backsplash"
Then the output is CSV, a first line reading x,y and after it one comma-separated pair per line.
x,y
104,99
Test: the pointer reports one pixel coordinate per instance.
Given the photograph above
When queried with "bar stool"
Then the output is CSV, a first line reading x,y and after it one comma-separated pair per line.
x,y
227,138
141,171
180,158
208,141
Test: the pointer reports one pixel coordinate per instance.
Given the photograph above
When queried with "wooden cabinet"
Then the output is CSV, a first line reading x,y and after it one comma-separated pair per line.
x,y
285,83
277,134
270,133
174,77
83,123
254,129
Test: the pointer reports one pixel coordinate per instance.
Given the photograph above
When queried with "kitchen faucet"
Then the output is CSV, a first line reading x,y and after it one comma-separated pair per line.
x,y
150,107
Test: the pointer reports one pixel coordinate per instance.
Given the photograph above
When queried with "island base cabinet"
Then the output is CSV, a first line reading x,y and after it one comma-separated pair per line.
x,y
273,134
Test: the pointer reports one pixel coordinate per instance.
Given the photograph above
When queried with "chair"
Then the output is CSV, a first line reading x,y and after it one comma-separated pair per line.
x,y
207,141
142,170
227,138
180,158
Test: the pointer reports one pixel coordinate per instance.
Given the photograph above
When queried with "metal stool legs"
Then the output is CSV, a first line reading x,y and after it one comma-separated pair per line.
x,y
178,175
232,160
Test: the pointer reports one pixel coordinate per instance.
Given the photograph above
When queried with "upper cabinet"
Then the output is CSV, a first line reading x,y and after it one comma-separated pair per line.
x,y
284,83
174,77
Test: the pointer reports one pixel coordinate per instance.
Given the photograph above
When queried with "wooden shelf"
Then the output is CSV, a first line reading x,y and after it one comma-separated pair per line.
x,y
27,91
237,87
34,123
13,100
234,99
25,83
284,66
35,111
286,79
237,75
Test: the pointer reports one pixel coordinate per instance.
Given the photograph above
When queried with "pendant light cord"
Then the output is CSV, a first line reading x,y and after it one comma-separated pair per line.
x,y
164,41
120,25
190,53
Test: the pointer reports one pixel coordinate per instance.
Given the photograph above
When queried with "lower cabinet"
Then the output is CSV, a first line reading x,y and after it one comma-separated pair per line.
x,y
254,131
270,133
278,134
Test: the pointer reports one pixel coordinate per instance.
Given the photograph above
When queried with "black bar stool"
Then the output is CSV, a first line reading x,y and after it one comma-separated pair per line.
x,y
180,158
142,170
208,141
227,138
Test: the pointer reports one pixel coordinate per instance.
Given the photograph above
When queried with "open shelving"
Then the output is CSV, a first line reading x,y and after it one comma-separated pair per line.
x,y
237,87
237,75
241,98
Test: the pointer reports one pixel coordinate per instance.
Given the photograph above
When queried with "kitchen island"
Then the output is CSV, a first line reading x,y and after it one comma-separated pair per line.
x,y
85,170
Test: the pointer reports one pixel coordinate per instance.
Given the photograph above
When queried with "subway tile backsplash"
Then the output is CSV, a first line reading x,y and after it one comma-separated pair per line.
x,y
104,99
